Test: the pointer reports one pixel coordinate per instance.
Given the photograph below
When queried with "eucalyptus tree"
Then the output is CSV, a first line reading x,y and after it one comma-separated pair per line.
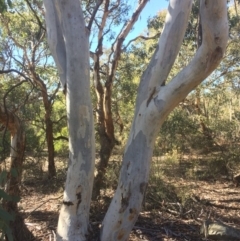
x,y
13,141
68,38
25,53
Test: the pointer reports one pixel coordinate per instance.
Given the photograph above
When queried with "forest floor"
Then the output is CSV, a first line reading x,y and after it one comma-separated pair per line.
x,y
179,198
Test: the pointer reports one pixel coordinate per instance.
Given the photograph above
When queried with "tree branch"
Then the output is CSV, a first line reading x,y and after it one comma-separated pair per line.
x,y
120,39
15,71
60,138
168,47
36,16
99,3
210,53
141,37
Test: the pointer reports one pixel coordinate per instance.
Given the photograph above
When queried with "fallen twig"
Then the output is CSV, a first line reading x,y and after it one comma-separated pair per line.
x,y
42,205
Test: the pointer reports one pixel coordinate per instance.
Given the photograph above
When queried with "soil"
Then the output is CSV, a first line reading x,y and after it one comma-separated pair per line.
x,y
174,209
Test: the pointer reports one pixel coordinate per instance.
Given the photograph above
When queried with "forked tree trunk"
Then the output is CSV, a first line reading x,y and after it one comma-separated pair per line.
x,y
155,102
68,40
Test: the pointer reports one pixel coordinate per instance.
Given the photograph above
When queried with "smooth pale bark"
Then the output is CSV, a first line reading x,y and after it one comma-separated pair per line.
x,y
55,38
74,214
155,102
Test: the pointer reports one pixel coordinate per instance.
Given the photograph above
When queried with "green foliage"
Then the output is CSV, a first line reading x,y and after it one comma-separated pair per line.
x,y
4,5
20,43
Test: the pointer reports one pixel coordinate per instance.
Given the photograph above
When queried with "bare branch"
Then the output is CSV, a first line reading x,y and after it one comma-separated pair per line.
x,y
63,117
15,71
35,15
210,53
141,37
99,3
121,38
115,6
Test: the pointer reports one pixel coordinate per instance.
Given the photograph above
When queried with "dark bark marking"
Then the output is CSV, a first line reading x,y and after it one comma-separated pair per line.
x,y
217,54
216,38
179,88
78,203
69,162
214,58
124,203
151,96
133,212
79,196
121,234
67,203
128,165
147,74
65,89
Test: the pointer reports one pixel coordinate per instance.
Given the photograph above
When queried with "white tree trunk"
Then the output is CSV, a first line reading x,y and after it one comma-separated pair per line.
x,y
66,33
155,102
68,23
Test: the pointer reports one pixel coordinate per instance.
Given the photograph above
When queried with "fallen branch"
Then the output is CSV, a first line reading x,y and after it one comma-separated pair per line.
x,y
50,199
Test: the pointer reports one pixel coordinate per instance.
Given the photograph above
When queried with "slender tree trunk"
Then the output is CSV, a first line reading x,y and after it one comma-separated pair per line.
x,y
49,127
105,129
104,94
14,125
69,43
106,147
17,157
50,144
47,103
